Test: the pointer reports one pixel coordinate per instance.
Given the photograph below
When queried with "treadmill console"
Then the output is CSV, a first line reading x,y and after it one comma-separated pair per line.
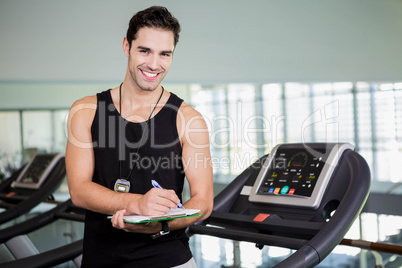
x,y
36,171
297,174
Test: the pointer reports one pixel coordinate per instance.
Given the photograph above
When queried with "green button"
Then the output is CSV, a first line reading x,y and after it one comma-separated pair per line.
x,y
285,189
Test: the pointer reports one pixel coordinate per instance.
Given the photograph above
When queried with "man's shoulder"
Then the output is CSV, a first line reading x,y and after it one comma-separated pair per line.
x,y
84,108
192,127
188,111
88,100
192,117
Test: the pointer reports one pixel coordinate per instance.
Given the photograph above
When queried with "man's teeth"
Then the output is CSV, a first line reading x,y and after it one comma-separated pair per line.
x,y
149,74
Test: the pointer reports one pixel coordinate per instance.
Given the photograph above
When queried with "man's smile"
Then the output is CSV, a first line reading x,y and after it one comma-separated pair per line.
x,y
150,76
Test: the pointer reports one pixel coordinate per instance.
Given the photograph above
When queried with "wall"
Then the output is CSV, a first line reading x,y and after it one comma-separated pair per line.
x,y
51,95
78,43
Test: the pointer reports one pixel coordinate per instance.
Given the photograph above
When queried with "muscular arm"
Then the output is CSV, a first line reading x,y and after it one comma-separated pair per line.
x,y
197,164
80,167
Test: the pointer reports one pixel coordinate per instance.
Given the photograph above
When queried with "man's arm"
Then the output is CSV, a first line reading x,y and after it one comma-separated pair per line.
x,y
197,164
196,160
80,164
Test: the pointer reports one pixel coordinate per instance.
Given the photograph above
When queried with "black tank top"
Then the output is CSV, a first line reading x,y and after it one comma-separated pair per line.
x,y
152,149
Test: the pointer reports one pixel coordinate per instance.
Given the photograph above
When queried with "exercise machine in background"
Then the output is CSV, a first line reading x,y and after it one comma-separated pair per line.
x,y
302,196
32,184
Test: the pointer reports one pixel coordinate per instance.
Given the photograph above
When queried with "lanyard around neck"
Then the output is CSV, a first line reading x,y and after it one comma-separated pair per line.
x,y
121,114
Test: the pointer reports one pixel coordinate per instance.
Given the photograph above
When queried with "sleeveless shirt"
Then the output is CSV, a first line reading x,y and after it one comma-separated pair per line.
x,y
152,149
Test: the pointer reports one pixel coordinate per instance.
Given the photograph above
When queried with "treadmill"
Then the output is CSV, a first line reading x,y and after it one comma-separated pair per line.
x,y
301,196
32,184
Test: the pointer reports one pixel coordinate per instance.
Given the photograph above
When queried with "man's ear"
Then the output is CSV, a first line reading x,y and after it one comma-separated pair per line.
x,y
126,46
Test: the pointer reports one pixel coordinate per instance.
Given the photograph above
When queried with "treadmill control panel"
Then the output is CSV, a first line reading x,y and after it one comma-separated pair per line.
x,y
297,174
36,171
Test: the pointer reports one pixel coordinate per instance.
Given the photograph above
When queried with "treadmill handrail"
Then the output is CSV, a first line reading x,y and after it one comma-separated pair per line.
x,y
295,226
33,223
7,182
49,258
224,200
239,235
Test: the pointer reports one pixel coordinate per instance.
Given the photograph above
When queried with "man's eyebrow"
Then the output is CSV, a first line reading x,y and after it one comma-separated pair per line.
x,y
148,49
143,48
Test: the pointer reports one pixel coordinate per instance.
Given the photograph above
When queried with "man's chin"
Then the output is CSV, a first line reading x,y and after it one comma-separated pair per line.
x,y
148,88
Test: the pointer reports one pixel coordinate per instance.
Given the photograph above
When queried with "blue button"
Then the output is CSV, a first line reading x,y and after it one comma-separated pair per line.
x,y
271,190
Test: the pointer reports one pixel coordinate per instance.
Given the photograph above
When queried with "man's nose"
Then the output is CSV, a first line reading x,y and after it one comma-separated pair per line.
x,y
153,62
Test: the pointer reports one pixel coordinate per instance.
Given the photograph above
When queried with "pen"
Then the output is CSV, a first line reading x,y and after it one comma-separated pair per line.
x,y
156,185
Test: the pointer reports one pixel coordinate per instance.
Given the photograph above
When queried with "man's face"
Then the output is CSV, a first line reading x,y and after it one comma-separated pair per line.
x,y
150,57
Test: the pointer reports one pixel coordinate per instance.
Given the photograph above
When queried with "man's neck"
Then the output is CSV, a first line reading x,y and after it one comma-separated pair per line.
x,y
136,96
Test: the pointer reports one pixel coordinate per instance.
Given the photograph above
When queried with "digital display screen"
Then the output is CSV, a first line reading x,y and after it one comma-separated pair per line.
x,y
292,172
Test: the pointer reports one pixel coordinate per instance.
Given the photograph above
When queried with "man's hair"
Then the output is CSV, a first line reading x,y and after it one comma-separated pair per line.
x,y
153,17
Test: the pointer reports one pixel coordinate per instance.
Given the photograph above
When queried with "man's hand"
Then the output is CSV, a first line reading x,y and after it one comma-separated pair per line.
x,y
145,228
157,202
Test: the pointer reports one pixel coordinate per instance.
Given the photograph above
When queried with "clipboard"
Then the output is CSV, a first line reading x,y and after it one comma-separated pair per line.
x,y
176,213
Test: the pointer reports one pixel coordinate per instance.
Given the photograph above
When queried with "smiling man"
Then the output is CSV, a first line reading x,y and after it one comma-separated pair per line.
x,y
123,138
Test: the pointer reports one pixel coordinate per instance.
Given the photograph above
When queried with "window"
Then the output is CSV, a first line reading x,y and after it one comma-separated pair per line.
x,y
367,115
246,121
30,132
10,143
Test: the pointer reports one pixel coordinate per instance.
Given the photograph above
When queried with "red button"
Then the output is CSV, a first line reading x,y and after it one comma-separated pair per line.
x,y
291,191
261,217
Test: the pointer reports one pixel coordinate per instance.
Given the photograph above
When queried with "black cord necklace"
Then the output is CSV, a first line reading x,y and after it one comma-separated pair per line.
x,y
121,184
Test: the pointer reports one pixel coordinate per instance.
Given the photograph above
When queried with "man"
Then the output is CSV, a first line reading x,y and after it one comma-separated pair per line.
x,y
122,139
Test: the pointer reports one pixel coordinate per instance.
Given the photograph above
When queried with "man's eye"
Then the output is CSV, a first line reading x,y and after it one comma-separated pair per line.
x,y
144,51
